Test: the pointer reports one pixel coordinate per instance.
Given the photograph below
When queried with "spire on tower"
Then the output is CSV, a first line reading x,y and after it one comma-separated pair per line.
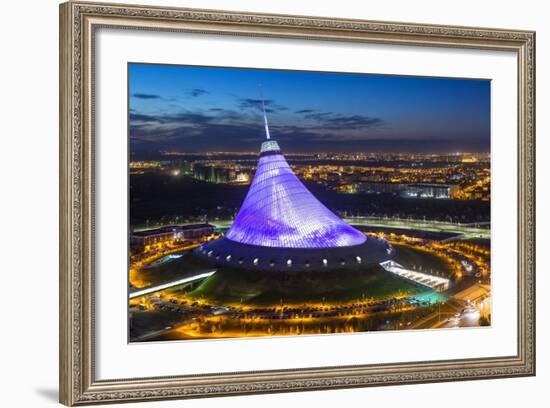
x,y
265,115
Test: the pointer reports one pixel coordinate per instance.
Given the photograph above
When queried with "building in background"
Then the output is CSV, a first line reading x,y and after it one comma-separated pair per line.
x,y
156,238
440,191
217,173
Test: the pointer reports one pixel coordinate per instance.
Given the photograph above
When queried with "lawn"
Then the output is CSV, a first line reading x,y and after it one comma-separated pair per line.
x,y
270,288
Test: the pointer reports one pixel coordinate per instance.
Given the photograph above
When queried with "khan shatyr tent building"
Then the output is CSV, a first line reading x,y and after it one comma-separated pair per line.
x,y
281,226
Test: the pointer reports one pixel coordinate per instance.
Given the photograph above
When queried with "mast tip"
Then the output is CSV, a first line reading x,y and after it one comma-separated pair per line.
x,y
268,137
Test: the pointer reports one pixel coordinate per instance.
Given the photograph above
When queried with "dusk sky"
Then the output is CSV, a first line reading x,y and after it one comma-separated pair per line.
x,y
199,109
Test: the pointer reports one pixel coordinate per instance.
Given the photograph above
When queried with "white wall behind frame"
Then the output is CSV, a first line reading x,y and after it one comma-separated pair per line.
x,y
29,171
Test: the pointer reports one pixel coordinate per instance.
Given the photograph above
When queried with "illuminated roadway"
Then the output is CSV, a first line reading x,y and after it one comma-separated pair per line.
x,y
469,230
157,288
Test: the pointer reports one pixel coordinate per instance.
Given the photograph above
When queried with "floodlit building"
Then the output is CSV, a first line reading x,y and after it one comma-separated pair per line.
x,y
282,226
441,191
173,233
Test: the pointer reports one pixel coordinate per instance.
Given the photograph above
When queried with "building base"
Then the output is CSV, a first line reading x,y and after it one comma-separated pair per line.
x,y
225,252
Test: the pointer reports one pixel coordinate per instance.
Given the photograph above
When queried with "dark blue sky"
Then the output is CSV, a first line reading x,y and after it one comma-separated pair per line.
x,y
218,109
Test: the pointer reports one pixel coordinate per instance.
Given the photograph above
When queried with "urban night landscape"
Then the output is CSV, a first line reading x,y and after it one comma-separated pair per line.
x,y
274,203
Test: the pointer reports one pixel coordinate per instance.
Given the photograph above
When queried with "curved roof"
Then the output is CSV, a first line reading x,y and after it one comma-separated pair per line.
x,y
280,212
224,252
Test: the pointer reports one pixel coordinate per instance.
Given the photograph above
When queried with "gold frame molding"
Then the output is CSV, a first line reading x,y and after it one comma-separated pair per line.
x,y
78,22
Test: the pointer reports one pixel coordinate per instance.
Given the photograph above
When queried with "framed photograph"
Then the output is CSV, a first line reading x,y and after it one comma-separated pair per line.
x,y
258,203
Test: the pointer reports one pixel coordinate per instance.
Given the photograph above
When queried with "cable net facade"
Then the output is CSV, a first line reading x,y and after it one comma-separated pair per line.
x,y
279,211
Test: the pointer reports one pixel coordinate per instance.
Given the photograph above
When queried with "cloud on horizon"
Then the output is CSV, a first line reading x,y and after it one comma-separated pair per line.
x,y
195,92
256,104
298,130
219,128
145,96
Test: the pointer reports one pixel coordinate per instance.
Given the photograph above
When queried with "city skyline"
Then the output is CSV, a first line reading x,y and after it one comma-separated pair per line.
x,y
201,109
339,238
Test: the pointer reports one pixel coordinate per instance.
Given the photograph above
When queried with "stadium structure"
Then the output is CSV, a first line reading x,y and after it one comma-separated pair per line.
x,y
282,226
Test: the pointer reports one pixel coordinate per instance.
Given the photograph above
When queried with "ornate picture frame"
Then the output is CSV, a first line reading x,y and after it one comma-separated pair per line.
x,y
78,24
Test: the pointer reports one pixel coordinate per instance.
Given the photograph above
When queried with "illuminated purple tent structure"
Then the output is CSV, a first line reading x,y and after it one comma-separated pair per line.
x,y
282,226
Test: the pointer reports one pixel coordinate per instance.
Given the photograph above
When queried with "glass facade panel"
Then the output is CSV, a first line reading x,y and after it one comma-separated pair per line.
x,y
279,211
